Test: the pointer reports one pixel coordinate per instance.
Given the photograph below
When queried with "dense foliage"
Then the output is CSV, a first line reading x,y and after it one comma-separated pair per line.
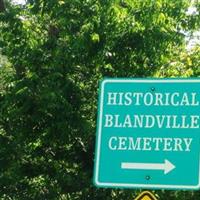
x,y
58,51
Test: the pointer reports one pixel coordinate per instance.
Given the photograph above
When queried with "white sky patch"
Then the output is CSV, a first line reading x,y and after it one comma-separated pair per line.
x,y
192,11
19,2
193,40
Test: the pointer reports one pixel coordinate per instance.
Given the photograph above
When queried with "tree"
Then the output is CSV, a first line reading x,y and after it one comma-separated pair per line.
x,y
59,51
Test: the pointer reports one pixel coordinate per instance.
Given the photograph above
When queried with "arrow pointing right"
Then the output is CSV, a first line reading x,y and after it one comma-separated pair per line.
x,y
167,166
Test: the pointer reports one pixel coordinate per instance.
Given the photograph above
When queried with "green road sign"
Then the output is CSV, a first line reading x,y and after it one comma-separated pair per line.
x,y
148,134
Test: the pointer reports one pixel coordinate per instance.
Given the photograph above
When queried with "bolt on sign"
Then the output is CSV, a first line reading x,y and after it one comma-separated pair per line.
x,y
148,134
146,195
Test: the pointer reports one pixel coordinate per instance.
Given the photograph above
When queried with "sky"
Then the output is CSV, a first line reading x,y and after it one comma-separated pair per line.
x,y
19,1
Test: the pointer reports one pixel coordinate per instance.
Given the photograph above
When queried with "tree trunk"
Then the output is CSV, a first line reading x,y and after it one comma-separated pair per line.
x,y
2,6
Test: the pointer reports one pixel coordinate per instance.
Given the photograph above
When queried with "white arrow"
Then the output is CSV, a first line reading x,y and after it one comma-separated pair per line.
x,y
167,166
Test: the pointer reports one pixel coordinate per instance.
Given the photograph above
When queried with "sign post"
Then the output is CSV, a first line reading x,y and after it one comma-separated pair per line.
x,y
148,134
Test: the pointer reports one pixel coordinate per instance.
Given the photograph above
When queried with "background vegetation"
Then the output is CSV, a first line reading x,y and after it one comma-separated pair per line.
x,y
53,54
